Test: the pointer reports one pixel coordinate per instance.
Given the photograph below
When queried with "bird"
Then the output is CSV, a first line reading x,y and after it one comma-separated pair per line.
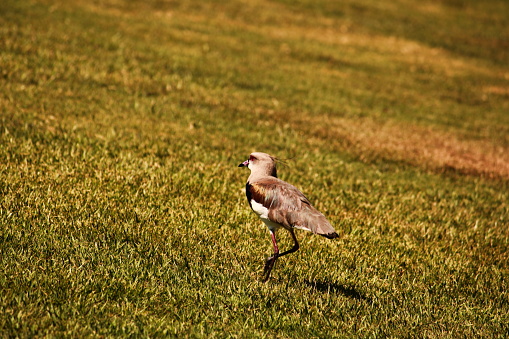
x,y
280,205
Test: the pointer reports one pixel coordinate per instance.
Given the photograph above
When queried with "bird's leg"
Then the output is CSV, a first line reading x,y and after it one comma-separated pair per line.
x,y
270,261
295,244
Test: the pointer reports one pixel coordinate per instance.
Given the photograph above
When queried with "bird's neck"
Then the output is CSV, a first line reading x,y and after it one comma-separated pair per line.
x,y
262,171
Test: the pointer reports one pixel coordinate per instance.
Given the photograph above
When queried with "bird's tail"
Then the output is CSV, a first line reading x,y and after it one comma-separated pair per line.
x,y
315,222
320,225
332,235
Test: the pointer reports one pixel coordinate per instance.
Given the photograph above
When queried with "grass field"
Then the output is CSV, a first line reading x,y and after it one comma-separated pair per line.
x,y
122,208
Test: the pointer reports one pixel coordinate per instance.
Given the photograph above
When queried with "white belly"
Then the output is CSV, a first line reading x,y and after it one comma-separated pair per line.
x,y
263,213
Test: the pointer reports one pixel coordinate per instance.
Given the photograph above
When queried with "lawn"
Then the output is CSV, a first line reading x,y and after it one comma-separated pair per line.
x,y
122,209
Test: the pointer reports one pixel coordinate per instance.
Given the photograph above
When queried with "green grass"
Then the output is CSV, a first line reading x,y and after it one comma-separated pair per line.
x,y
123,211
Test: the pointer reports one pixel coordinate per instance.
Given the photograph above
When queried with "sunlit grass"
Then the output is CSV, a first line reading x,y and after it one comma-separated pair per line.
x,y
123,211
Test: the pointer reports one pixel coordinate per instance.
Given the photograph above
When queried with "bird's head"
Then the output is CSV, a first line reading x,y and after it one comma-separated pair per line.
x,y
261,163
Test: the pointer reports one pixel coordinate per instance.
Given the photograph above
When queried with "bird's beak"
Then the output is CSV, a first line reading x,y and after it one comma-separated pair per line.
x,y
244,164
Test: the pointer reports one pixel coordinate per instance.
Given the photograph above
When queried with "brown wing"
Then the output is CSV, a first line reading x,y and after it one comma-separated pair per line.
x,y
288,206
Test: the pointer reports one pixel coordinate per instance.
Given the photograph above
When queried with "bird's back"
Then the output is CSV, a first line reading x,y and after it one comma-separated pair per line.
x,y
287,206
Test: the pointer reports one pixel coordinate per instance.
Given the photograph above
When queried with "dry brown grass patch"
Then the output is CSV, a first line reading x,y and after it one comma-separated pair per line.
x,y
420,146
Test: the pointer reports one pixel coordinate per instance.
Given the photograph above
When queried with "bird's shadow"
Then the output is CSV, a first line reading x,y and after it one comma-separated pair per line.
x,y
328,287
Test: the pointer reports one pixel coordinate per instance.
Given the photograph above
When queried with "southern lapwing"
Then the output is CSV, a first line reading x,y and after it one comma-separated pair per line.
x,y
280,204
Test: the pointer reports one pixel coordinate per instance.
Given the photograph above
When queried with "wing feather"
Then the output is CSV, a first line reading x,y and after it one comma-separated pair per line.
x,y
288,206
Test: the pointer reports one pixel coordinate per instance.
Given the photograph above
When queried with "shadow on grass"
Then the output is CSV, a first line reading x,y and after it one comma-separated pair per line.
x,y
327,287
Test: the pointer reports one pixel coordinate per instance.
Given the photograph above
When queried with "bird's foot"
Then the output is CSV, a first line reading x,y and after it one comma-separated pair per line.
x,y
268,267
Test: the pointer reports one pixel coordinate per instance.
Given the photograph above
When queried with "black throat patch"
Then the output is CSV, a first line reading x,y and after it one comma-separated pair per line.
x,y
249,195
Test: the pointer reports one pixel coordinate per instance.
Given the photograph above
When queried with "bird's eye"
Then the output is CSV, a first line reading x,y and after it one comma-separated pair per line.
x,y
251,158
